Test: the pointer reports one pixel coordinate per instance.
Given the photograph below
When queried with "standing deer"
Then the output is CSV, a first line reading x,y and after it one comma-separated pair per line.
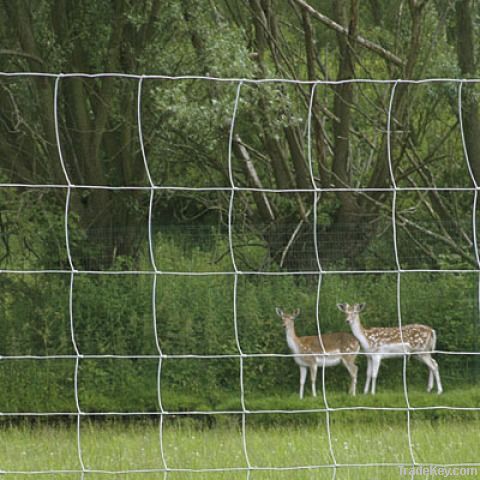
x,y
418,340
335,348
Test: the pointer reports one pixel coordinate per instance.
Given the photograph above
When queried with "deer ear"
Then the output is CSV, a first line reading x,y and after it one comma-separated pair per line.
x,y
342,307
279,312
296,312
360,307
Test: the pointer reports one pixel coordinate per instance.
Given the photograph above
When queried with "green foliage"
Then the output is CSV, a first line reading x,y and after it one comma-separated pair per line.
x,y
186,127
113,315
111,318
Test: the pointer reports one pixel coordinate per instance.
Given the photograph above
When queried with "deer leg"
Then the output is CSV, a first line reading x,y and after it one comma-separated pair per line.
x,y
426,361
375,366
353,371
303,376
369,375
436,372
433,371
430,380
313,378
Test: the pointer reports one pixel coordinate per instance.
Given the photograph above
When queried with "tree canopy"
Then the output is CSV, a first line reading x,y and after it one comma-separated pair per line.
x,y
186,123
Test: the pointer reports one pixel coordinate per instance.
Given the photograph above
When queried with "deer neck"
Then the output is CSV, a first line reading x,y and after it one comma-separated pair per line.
x,y
292,339
359,333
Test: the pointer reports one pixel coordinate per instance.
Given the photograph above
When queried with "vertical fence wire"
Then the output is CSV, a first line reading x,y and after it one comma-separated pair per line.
x,y
151,250
325,355
231,208
474,211
399,272
72,273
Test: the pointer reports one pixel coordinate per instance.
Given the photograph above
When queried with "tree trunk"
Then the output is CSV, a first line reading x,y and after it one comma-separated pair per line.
x,y
97,149
466,62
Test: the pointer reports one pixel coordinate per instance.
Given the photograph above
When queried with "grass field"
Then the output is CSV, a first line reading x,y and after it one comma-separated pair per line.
x,y
293,440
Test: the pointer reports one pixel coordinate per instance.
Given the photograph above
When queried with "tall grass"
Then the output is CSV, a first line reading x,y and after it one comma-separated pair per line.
x,y
117,446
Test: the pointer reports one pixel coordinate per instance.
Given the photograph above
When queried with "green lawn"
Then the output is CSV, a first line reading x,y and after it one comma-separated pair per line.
x,y
135,445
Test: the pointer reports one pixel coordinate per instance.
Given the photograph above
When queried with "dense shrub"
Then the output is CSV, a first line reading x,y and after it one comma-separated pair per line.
x,y
113,315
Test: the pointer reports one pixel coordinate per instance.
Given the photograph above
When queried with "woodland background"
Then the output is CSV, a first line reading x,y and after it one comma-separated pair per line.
x,y
185,127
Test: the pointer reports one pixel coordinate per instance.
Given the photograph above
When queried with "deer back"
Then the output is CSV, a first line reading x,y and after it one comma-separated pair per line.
x,y
419,337
338,342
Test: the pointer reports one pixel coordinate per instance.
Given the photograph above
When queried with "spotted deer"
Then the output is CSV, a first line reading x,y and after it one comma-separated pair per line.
x,y
334,348
417,340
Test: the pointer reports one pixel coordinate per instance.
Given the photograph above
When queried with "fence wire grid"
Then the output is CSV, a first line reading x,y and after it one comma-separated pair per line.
x,y
155,272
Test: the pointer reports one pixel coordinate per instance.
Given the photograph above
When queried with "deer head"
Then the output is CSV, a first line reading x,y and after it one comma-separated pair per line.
x,y
352,312
287,318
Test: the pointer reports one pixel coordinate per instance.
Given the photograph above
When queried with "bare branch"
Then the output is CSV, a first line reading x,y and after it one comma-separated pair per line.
x,y
18,53
363,42
249,167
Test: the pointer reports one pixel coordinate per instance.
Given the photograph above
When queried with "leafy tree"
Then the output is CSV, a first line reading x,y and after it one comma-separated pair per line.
x,y
186,123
